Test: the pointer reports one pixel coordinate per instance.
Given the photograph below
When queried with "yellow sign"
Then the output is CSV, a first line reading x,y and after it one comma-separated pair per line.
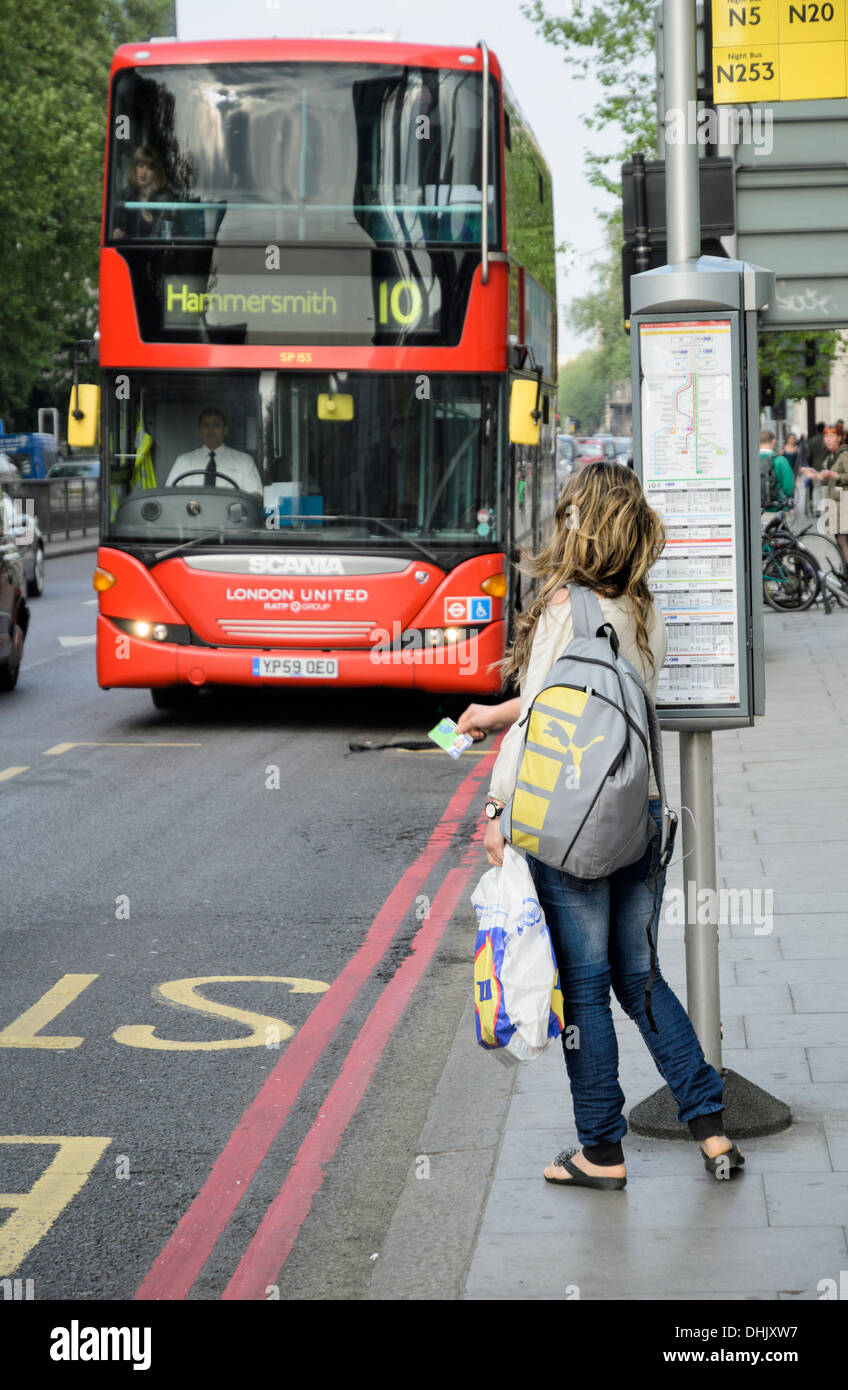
x,y
779,50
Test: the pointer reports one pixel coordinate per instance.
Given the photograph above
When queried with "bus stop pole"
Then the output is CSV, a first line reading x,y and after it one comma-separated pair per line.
x,y
683,223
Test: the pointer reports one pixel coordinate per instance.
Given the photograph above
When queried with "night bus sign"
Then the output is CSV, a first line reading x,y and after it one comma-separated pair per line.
x,y
779,50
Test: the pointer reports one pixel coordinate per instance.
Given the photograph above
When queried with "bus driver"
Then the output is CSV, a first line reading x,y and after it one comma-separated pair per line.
x,y
215,457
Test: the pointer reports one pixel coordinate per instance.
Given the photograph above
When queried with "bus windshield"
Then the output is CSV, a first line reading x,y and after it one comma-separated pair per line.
x,y
265,456
324,153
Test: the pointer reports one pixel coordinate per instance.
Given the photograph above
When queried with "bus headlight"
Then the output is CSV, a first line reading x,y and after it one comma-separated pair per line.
x,y
446,636
150,631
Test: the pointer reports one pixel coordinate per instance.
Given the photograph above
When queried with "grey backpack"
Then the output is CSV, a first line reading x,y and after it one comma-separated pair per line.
x,y
581,797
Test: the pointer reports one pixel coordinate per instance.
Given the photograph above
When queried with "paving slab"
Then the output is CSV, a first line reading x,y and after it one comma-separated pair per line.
x,y
805,1200
829,1063
825,998
636,1263
808,1030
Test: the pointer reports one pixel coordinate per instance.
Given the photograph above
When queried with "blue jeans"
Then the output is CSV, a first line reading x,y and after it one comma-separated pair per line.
x,y
598,929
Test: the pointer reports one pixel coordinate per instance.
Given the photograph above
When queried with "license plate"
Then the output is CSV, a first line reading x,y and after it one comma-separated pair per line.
x,y
296,667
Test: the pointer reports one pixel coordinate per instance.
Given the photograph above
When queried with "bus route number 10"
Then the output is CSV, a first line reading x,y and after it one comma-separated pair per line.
x,y
399,302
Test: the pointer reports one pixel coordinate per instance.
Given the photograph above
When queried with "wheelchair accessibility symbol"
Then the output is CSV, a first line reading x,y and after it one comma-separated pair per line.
x,y
468,610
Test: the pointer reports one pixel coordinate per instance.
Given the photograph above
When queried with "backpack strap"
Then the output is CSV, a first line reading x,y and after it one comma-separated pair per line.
x,y
587,616
655,735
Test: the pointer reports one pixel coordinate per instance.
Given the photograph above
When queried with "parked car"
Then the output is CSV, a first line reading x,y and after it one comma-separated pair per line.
x,y
76,468
14,610
624,451
22,523
7,468
595,449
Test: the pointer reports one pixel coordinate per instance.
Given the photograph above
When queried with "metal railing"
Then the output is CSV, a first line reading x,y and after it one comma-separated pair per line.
x,y
64,507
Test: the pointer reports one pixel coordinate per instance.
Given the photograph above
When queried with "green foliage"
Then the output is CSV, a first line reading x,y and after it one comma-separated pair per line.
x,y
615,42
601,312
53,99
530,209
583,386
783,358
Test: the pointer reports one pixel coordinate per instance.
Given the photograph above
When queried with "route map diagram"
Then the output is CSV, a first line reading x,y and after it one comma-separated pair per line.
x,y
686,401
687,453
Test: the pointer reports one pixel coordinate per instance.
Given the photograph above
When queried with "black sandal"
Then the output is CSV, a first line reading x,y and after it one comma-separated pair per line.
x,y
723,1163
579,1178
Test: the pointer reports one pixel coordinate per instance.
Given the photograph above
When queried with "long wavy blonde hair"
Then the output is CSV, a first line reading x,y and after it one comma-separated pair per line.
x,y
606,538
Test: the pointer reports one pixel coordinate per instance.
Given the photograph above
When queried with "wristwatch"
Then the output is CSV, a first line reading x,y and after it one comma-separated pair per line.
x,y
493,810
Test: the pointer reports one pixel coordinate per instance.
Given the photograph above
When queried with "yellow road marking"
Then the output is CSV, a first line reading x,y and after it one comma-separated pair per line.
x,y
266,1031
59,748
22,1033
9,772
34,1212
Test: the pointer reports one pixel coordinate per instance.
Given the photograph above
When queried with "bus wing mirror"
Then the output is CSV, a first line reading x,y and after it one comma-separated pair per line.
x,y
84,417
338,407
524,414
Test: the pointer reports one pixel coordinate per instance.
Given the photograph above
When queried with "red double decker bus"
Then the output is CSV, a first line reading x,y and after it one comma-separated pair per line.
x,y
327,353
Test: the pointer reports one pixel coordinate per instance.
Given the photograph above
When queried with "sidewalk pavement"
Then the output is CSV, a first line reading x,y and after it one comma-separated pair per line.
x,y
70,545
485,1225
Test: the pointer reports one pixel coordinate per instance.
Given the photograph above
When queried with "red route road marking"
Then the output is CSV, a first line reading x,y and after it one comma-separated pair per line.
x,y
280,1226
178,1265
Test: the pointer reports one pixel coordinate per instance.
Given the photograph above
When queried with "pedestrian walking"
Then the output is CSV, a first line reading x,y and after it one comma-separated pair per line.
x,y
833,472
777,481
606,539
816,455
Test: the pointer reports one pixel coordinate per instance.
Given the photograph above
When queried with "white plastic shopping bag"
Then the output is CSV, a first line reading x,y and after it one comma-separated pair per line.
x,y
517,999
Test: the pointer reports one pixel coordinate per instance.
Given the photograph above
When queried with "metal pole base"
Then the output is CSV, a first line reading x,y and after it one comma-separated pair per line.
x,y
748,1112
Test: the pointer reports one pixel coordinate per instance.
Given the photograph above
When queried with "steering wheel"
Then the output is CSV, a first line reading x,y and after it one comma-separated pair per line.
x,y
194,472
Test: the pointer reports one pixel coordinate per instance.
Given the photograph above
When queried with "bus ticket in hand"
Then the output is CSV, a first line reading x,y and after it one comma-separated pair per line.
x,y
448,737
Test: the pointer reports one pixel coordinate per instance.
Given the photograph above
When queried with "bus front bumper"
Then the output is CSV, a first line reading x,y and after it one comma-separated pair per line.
x,y
129,661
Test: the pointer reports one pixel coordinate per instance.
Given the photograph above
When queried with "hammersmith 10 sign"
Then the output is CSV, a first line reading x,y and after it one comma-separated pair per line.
x,y
779,50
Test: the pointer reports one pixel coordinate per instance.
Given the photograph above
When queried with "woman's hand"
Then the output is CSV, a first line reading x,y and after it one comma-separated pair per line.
x,y
479,720
494,843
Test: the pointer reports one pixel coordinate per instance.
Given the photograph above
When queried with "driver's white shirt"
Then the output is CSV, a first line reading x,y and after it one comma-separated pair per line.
x,y
240,468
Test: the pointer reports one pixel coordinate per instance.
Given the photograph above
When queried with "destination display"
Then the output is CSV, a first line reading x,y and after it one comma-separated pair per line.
x,y
687,453
779,50
312,296
276,303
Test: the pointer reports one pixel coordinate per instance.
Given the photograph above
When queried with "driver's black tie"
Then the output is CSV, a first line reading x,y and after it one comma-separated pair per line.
x,y
211,473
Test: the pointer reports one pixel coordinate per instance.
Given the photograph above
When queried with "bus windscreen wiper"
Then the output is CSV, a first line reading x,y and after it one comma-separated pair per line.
x,y
186,545
393,531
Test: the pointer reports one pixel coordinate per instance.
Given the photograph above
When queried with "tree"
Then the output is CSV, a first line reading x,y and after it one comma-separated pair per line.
x,y
583,388
601,312
53,95
615,42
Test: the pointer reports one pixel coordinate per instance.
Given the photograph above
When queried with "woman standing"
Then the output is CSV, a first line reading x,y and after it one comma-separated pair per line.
x,y
606,538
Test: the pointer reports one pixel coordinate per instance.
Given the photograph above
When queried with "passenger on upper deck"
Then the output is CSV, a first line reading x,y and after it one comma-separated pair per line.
x,y
146,183
215,459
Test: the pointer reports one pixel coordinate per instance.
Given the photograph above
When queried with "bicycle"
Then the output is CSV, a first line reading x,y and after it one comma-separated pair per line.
x,y
790,576
787,583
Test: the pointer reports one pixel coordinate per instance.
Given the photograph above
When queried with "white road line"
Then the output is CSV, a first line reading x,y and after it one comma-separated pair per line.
x,y
77,641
